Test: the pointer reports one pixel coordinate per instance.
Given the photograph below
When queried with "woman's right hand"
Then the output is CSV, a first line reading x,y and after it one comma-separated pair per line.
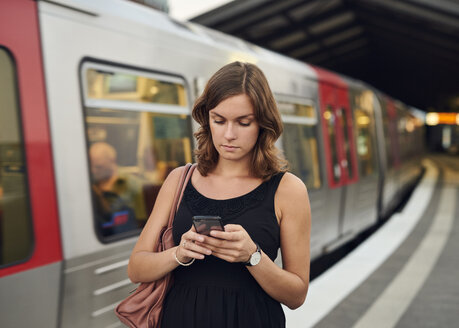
x,y
188,249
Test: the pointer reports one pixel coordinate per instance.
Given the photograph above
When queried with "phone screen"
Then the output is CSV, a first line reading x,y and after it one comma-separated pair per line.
x,y
205,224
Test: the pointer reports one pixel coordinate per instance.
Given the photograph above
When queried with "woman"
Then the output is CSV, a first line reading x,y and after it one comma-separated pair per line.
x,y
229,279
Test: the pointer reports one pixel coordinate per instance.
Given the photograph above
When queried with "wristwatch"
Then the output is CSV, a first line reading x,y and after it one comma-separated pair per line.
x,y
255,257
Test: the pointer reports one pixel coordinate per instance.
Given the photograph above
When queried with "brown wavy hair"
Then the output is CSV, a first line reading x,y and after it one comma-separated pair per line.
x,y
232,80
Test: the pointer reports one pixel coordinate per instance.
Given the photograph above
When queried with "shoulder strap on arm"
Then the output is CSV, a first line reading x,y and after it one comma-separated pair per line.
x,y
183,181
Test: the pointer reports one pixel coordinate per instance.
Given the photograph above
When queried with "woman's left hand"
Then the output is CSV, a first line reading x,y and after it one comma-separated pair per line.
x,y
232,245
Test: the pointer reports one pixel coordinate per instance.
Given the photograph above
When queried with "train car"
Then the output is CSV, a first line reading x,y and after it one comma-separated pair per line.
x,y
402,148
104,89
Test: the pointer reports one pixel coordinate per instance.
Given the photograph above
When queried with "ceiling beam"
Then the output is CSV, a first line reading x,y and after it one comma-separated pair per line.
x,y
324,38
262,13
228,12
443,7
299,25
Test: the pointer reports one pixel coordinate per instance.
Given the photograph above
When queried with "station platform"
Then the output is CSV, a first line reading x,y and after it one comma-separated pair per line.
x,y
406,274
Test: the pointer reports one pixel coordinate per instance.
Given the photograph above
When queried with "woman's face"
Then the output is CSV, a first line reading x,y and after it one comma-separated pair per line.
x,y
234,127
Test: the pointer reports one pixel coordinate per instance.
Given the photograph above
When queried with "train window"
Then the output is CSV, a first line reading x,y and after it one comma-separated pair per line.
x,y
297,110
329,117
16,239
388,134
300,141
138,129
128,87
401,133
363,113
405,128
365,149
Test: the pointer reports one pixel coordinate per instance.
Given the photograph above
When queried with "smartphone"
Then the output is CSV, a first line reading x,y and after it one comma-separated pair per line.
x,y
204,224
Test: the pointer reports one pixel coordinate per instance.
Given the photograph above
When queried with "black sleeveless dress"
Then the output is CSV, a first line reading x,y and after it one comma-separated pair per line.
x,y
215,293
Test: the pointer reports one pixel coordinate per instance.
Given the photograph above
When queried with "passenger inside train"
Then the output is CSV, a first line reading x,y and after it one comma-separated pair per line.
x,y
118,197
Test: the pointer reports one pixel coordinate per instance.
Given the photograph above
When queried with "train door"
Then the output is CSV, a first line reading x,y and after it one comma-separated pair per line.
x,y
361,198
352,203
345,128
339,149
30,247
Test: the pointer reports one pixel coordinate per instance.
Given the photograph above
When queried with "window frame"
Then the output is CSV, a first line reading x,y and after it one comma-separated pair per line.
x,y
333,142
28,210
355,107
307,121
132,105
90,62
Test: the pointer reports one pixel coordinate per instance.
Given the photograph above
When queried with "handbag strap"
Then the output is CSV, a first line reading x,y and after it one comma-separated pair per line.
x,y
187,172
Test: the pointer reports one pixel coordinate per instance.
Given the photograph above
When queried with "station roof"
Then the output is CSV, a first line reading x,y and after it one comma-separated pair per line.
x,y
406,48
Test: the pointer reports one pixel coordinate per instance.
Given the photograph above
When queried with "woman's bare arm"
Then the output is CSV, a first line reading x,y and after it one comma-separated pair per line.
x,y
290,284
144,264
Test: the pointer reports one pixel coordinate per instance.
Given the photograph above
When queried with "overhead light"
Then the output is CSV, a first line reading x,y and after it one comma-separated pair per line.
x,y
432,119
442,118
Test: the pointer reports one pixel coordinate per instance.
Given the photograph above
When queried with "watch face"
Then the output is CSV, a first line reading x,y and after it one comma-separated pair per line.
x,y
255,259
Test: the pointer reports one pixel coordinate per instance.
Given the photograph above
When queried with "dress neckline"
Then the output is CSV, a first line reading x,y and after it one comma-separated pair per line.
x,y
253,191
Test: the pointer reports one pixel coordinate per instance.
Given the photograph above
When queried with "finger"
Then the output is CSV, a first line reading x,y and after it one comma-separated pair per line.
x,y
225,248
226,252
216,242
233,227
211,248
186,253
197,247
226,235
192,236
226,257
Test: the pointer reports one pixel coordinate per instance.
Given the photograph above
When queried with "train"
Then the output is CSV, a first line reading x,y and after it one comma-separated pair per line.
x,y
76,73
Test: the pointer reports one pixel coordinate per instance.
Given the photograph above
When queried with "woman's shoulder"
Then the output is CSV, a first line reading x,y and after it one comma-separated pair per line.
x,y
173,177
292,198
291,187
290,180
175,173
